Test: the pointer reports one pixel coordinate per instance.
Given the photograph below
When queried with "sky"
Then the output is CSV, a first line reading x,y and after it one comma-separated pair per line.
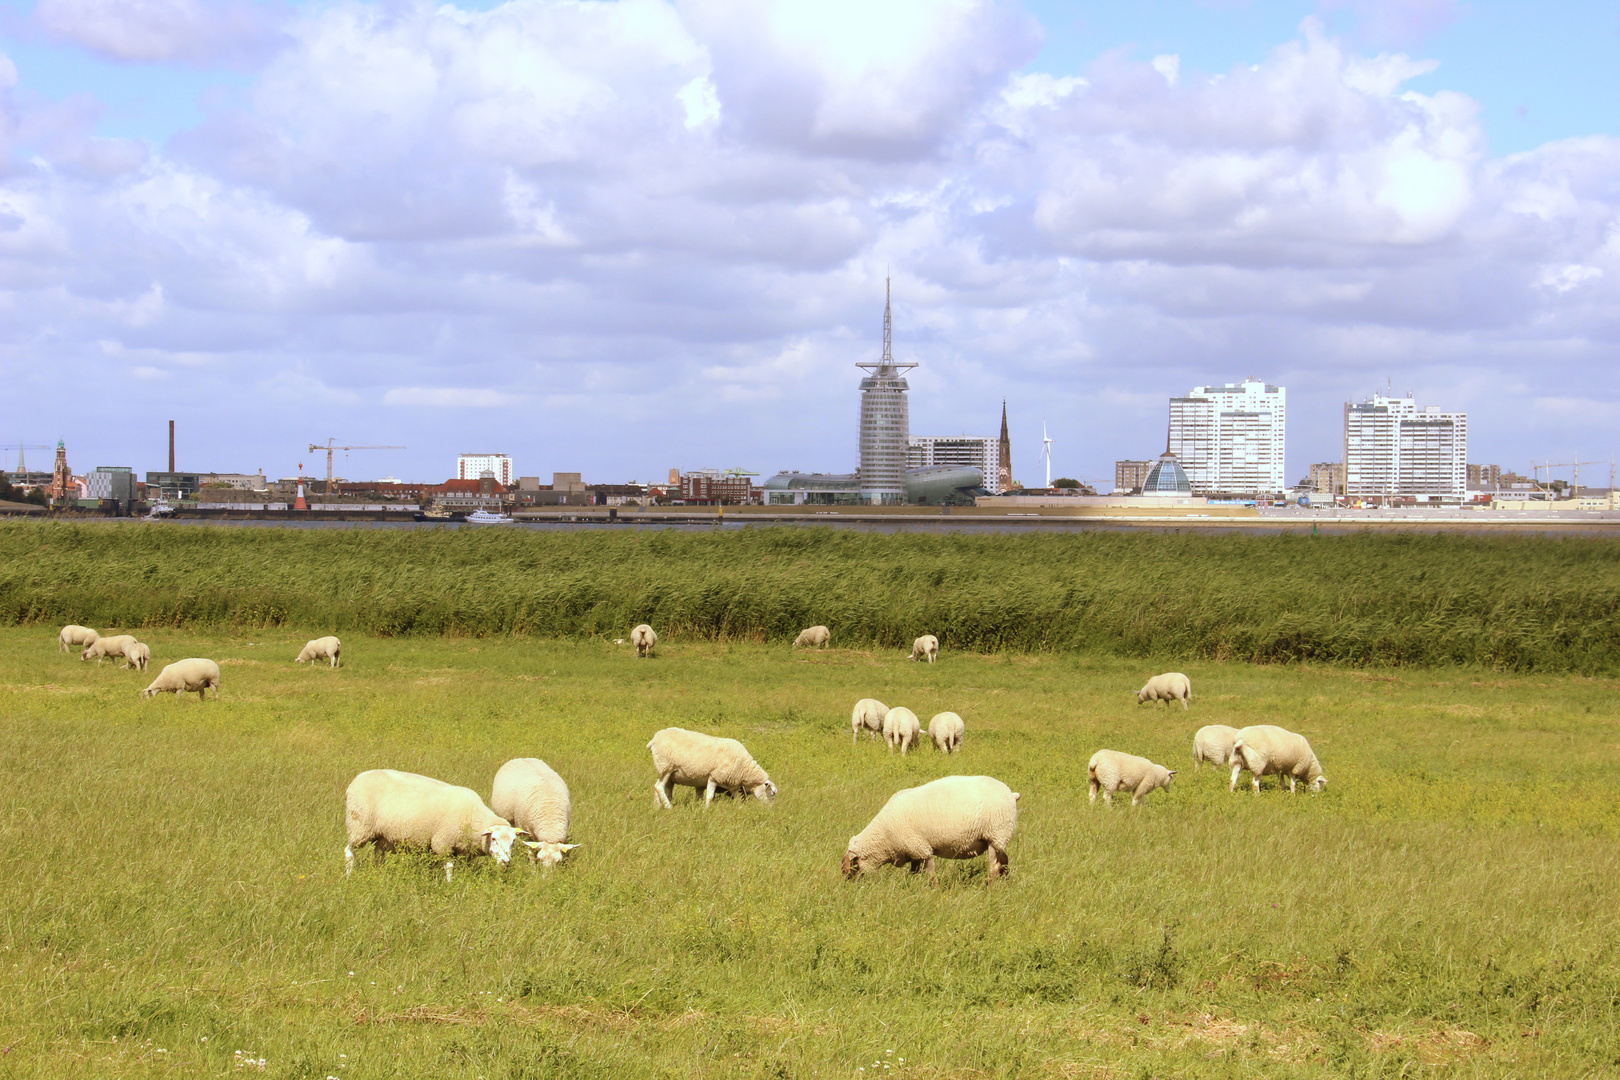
x,y
620,236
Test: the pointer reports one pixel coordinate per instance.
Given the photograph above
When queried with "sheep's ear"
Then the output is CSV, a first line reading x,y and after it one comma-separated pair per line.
x,y
568,847
523,832
1174,771
531,843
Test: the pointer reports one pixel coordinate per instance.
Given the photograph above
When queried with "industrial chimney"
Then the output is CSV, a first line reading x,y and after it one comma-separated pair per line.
x,y
171,446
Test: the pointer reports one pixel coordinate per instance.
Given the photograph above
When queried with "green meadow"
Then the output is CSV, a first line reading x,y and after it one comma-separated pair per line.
x,y
174,903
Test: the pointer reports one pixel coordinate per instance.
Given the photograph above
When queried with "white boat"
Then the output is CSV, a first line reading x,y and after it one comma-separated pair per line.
x,y
160,509
484,517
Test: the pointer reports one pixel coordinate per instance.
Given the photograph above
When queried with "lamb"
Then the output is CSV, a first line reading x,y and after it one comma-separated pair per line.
x,y
901,727
1265,749
1213,743
1171,686
322,648
1112,771
76,635
868,714
946,730
926,646
387,808
104,647
954,817
643,638
137,656
184,676
695,760
817,636
535,800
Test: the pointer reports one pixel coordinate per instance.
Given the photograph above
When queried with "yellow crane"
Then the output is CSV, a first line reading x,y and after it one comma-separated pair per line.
x,y
329,447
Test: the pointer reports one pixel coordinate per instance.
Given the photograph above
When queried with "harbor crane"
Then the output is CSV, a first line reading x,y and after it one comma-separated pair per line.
x,y
20,448
329,447
1575,484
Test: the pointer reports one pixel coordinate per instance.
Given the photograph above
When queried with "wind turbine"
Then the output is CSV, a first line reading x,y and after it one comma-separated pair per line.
x,y
1046,452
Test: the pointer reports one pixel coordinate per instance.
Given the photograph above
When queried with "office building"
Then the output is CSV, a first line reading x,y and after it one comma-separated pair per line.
x,y
1131,475
959,451
1327,478
885,422
1394,449
111,482
473,466
1484,477
1231,438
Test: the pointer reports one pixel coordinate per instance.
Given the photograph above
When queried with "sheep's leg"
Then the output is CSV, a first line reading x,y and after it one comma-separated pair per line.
x,y
708,794
1183,704
998,863
1108,798
933,878
660,799
1237,771
348,861
1093,786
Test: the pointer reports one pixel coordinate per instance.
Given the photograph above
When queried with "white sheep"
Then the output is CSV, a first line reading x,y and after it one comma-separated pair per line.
x,y
531,795
1267,749
954,817
322,648
1112,771
925,647
184,676
104,647
643,638
137,656
387,808
868,714
901,728
946,730
695,760
75,635
1213,743
817,636
1171,686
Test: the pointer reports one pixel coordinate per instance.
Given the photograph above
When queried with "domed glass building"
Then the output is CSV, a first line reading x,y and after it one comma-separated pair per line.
x,y
1167,477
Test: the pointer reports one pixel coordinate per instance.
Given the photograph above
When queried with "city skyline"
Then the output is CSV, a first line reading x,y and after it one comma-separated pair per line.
x,y
665,247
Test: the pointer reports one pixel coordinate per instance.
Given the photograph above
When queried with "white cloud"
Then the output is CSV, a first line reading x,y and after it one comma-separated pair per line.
x,y
448,398
157,31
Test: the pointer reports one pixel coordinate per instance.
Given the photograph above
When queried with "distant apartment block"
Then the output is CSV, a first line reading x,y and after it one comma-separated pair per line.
x,y
111,482
1231,438
472,466
958,451
1327,478
1484,477
1392,448
240,481
1131,475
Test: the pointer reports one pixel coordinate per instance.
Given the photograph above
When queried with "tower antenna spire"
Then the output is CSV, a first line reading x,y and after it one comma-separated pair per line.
x,y
888,324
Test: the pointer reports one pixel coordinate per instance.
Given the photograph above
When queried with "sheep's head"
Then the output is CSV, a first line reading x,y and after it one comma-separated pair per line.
x,y
1170,774
1319,783
150,691
546,853
498,840
764,792
852,864
1141,696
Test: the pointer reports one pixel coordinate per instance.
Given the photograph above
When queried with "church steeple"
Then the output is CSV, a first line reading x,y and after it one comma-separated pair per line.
x,y
1004,470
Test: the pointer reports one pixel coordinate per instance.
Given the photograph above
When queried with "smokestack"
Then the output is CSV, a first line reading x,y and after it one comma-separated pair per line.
x,y
171,446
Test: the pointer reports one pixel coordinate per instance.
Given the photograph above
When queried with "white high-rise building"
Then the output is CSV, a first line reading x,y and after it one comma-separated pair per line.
x,y
472,466
970,451
1391,447
1230,438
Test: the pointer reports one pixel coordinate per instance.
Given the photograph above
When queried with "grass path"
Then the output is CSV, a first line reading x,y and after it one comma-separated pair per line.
x,y
172,889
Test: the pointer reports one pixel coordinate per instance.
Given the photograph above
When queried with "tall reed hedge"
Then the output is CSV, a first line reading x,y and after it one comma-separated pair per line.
x,y
1522,603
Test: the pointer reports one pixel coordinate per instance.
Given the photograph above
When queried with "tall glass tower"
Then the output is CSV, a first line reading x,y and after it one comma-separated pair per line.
x,y
885,422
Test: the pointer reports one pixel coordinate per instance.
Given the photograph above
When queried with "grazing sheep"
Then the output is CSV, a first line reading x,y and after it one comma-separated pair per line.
x,y
1171,686
901,727
815,635
643,638
1213,743
104,647
946,730
1112,771
75,635
184,676
955,817
137,656
925,647
322,648
868,714
530,795
1265,749
695,760
387,808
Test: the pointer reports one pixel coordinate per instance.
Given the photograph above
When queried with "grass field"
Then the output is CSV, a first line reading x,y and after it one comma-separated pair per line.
x,y
173,891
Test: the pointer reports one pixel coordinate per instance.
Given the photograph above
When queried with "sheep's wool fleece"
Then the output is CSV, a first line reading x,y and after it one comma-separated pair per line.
x,y
1116,771
531,795
952,817
1171,686
1276,750
697,758
188,675
1213,742
407,808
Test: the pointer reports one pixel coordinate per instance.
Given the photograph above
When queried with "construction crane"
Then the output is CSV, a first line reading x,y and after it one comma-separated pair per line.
x,y
20,447
1575,484
329,447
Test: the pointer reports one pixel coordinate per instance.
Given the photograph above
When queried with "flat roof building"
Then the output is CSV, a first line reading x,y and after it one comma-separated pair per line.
x,y
1231,438
1392,448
